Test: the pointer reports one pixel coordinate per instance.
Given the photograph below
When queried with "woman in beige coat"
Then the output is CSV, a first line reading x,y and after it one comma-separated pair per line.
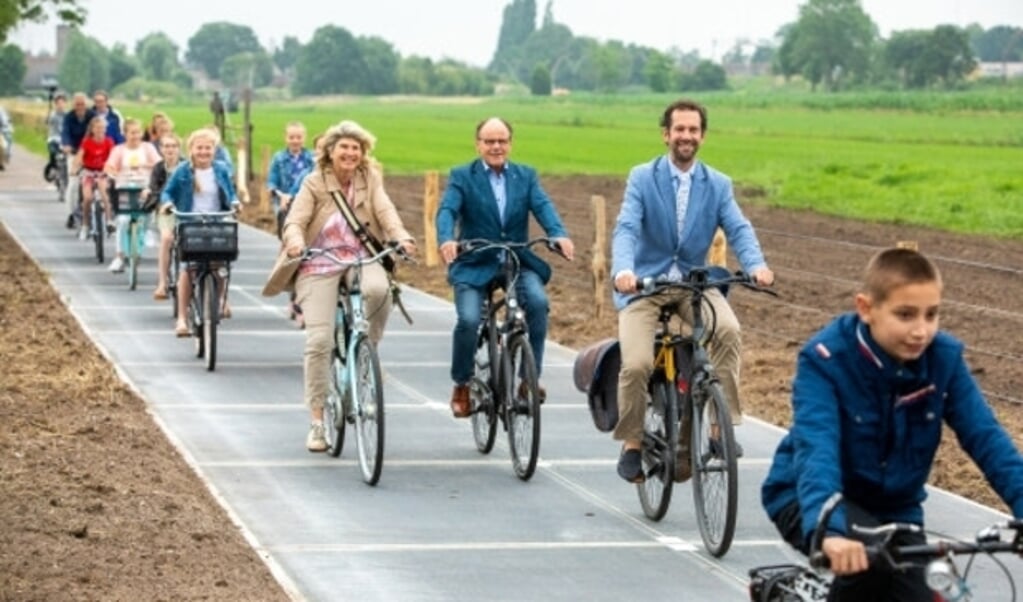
x,y
344,172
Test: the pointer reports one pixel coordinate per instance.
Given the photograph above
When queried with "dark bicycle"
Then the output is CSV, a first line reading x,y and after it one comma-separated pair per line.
x,y
504,357
97,224
688,427
798,583
206,243
356,390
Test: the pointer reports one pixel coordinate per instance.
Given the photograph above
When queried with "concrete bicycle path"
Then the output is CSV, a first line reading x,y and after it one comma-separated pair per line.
x,y
444,523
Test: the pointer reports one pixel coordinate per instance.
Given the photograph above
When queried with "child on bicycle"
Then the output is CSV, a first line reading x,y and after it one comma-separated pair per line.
x,y
871,392
199,185
130,163
92,156
170,150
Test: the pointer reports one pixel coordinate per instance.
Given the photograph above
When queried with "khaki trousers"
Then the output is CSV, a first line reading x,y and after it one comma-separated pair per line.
x,y
317,294
637,324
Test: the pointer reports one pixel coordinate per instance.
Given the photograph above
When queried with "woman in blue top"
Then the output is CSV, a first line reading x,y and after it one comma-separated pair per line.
x,y
198,185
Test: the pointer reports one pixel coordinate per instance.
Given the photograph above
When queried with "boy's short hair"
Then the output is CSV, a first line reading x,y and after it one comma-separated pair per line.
x,y
891,268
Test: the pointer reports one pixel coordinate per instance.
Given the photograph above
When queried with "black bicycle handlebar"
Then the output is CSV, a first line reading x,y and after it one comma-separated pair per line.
x,y
896,556
481,244
699,280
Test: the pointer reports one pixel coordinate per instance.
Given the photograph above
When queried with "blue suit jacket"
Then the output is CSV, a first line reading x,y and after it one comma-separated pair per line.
x,y
469,203
646,240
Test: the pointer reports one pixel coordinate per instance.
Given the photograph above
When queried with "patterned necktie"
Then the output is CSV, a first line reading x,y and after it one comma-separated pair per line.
x,y
682,202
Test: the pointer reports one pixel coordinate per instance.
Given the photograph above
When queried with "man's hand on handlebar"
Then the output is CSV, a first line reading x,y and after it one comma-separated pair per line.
x,y
449,251
626,282
567,248
763,276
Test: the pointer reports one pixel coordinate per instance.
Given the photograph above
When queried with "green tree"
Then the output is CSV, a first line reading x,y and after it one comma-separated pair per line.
x,y
998,44
86,65
287,55
540,83
658,71
517,22
830,44
12,70
13,12
157,55
611,66
123,66
214,42
331,63
706,76
923,58
415,75
381,64
247,69
547,45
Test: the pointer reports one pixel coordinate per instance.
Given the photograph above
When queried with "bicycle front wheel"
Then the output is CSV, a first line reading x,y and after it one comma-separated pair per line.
x,y
133,255
522,406
334,411
715,471
100,230
660,442
368,397
210,317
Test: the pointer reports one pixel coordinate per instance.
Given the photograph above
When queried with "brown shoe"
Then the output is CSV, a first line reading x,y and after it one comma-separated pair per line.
x,y
541,393
461,407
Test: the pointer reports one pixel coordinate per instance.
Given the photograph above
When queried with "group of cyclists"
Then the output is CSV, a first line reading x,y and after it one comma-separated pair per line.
x,y
872,390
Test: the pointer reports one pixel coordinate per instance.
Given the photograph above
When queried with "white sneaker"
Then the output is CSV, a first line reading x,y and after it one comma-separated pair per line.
x,y
117,265
315,441
83,233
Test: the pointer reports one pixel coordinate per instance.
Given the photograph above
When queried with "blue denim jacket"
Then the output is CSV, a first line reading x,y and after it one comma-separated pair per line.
x,y
180,186
869,427
279,176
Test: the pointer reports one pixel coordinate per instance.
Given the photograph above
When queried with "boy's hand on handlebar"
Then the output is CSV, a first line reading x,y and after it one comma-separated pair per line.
x,y
847,556
449,251
763,277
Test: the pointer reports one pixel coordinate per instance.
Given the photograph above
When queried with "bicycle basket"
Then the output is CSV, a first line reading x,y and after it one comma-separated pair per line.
x,y
209,241
595,373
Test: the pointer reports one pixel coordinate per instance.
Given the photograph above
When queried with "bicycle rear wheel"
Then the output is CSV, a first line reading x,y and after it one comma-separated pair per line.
x,y
715,472
660,441
368,397
522,406
483,392
210,307
334,413
133,254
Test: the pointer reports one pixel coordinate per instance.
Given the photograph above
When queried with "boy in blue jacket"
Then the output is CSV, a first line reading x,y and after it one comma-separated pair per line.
x,y
871,392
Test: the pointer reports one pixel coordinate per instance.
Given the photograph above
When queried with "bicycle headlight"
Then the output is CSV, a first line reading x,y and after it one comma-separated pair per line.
x,y
942,578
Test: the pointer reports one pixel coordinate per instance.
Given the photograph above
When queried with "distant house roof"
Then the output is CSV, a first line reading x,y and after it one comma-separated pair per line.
x,y
1000,69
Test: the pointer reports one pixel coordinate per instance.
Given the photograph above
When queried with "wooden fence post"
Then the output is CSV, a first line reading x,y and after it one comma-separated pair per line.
x,y
907,244
718,254
264,174
431,194
241,181
598,265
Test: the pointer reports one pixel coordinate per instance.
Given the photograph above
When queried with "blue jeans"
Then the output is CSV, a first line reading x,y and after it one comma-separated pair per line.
x,y
469,304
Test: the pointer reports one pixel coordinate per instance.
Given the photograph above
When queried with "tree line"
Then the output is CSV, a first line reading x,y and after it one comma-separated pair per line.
x,y
833,45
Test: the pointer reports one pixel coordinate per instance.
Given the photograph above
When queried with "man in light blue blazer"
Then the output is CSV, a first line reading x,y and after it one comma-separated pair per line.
x,y
673,205
491,198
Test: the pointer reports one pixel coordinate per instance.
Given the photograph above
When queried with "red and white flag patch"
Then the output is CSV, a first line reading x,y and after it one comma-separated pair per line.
x,y
823,351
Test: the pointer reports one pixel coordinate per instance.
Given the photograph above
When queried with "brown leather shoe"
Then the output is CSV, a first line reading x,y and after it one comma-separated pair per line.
x,y
540,391
461,407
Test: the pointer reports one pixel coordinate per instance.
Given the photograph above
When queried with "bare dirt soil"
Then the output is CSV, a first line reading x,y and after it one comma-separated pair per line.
x,y
95,504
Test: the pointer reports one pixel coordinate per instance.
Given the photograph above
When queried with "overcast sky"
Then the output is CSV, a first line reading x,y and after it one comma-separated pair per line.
x,y
467,30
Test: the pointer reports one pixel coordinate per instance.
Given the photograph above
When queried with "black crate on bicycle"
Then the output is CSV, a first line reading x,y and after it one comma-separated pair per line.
x,y
207,241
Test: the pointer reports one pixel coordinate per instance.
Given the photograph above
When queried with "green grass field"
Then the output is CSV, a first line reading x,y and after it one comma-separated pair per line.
x,y
936,162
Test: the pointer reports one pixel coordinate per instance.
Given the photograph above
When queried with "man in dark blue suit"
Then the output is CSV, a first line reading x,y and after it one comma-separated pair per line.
x,y
491,198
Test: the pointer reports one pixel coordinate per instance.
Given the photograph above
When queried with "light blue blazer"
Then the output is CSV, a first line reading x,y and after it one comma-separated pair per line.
x,y
646,239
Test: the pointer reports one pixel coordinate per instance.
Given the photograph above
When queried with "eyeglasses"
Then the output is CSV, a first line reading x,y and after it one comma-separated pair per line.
x,y
495,141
